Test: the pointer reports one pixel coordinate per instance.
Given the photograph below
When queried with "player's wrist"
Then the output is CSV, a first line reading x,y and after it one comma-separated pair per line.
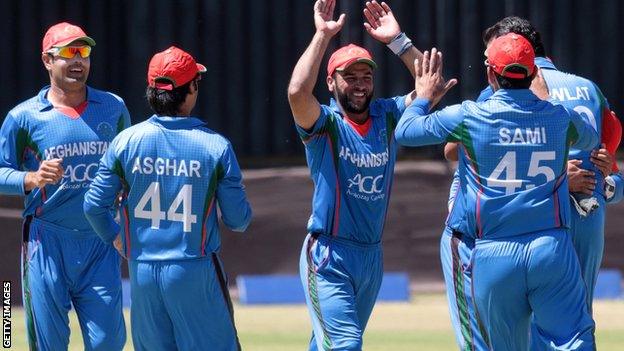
x,y
400,44
30,181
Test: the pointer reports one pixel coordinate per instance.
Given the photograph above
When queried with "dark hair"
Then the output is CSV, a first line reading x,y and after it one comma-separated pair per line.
x,y
514,83
514,24
167,102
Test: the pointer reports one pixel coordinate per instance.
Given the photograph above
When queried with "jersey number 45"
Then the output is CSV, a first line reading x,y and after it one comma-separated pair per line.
x,y
508,165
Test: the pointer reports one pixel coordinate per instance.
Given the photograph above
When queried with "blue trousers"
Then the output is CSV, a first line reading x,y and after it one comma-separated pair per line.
x,y
61,268
341,280
588,239
181,305
534,275
456,256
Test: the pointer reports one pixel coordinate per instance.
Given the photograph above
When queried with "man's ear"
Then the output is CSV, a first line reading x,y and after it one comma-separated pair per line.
x,y
47,60
330,83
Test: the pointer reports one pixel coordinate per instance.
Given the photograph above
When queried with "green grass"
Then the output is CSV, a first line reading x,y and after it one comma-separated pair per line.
x,y
423,324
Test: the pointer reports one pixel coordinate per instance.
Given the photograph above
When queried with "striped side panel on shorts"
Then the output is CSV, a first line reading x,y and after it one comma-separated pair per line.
x,y
313,291
482,330
226,294
31,332
460,296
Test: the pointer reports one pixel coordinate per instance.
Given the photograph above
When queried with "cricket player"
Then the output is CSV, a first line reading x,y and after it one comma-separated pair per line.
x,y
583,96
51,145
512,167
172,171
350,149
585,175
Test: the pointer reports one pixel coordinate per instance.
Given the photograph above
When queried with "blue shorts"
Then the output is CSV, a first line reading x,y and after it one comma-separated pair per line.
x,y
181,305
61,268
535,273
341,280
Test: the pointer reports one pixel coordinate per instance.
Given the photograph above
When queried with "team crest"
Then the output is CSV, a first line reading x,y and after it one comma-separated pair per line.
x,y
105,131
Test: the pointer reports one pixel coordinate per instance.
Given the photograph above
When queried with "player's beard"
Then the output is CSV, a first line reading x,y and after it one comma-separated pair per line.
x,y
349,106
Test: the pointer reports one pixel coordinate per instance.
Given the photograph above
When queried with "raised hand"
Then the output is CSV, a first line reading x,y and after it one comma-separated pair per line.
x,y
49,172
430,84
381,22
323,17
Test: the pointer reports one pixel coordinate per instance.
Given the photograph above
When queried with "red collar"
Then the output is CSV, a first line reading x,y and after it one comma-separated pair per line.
x,y
361,129
73,112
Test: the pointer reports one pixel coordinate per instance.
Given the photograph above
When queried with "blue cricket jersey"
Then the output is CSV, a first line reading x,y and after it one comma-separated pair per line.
x,y
172,172
578,94
34,130
512,164
352,174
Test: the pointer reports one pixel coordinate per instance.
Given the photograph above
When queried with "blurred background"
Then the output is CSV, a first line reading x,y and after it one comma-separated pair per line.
x,y
250,49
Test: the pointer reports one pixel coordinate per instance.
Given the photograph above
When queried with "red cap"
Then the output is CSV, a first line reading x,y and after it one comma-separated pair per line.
x,y
172,68
62,34
348,55
511,50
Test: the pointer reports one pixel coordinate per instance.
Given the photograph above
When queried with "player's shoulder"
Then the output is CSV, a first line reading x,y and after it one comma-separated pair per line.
x,y
25,108
382,105
105,97
212,135
570,79
134,131
470,107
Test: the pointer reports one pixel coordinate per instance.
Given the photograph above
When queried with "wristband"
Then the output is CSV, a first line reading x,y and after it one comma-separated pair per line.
x,y
609,187
400,44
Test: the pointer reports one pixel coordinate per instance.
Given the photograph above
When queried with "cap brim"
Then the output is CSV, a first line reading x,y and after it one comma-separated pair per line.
x,y
357,60
201,68
68,41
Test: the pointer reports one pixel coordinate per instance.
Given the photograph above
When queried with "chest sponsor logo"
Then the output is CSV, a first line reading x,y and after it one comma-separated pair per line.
x,y
366,160
367,188
78,174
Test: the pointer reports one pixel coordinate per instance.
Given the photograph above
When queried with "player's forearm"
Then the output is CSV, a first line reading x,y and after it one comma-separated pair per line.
x,y
410,130
306,70
101,220
408,58
235,209
12,182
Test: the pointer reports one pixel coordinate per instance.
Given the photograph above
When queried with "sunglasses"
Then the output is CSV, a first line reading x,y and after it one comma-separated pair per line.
x,y
71,51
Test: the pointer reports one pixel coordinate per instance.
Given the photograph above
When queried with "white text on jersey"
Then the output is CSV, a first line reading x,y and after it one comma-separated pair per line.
x,y
84,148
564,94
165,166
364,160
522,136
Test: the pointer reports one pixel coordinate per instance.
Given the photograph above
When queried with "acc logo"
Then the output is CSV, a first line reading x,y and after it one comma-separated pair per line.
x,y
105,131
367,184
81,172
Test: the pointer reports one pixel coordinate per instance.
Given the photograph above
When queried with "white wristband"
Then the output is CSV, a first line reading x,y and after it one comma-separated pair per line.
x,y
609,187
400,44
